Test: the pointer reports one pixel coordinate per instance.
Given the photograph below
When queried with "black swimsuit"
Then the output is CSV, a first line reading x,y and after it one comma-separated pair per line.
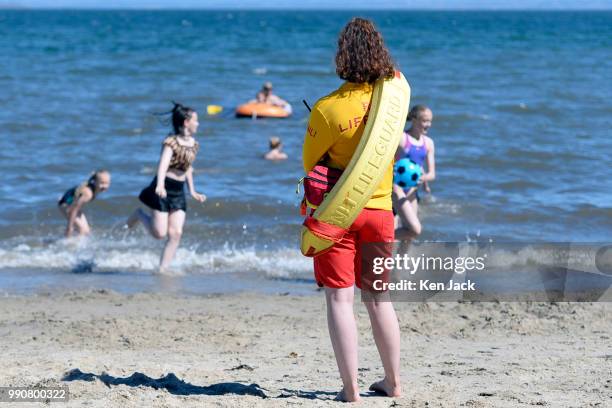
x,y
70,195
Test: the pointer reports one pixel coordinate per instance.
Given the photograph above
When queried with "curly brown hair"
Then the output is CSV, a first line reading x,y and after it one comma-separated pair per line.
x,y
362,55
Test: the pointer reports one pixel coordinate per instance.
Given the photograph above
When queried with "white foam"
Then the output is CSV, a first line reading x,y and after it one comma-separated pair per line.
x,y
143,254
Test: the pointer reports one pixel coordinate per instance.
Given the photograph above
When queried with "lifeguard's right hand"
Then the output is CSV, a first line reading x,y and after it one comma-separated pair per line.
x,y
160,191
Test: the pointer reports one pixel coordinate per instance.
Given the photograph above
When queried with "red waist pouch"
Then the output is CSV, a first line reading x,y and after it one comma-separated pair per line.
x,y
318,182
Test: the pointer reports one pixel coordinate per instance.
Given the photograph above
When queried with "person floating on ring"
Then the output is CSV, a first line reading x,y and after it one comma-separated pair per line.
x,y
266,96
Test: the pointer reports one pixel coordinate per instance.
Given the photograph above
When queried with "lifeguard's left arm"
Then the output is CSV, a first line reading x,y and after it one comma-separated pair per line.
x,y
317,140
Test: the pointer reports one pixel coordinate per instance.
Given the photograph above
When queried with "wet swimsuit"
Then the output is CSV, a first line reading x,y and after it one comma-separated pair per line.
x,y
417,154
182,159
75,192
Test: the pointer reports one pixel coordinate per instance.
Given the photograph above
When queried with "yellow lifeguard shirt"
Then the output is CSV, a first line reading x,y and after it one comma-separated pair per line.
x,y
334,130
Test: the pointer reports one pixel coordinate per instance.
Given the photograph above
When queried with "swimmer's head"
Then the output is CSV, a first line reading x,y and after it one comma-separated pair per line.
x,y
101,179
362,55
267,88
275,142
421,117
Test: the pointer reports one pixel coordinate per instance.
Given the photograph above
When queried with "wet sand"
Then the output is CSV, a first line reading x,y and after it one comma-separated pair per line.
x,y
250,350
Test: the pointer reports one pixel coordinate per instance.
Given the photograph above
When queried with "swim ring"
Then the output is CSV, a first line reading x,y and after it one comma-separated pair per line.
x,y
261,110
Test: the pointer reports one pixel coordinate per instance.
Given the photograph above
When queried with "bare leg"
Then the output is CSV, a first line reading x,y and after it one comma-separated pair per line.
x,y
156,224
134,218
385,328
82,224
80,221
176,220
343,334
415,209
406,206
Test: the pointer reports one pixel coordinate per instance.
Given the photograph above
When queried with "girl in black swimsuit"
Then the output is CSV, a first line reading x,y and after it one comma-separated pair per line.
x,y
73,201
165,196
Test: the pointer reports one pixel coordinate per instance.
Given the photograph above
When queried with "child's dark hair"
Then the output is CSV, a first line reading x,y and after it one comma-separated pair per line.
x,y
179,114
416,111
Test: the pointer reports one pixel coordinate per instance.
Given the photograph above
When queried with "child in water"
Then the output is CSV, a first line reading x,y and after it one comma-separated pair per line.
x,y
165,196
72,202
419,148
276,150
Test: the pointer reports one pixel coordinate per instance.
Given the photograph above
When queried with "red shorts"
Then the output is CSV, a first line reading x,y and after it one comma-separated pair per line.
x,y
340,267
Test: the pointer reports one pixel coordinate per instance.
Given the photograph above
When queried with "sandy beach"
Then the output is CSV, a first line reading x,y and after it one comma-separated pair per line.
x,y
249,350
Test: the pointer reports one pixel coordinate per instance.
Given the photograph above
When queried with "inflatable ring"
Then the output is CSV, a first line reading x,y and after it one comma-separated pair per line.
x,y
365,171
261,110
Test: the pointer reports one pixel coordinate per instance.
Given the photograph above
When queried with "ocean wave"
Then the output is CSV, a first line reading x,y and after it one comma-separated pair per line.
x,y
100,255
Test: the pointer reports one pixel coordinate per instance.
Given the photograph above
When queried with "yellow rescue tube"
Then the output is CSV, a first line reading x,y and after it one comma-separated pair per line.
x,y
365,171
262,110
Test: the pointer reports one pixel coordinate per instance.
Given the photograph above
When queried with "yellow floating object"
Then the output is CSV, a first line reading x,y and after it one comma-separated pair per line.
x,y
360,179
214,109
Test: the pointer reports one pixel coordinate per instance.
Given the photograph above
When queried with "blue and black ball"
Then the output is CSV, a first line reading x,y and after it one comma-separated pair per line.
x,y
406,173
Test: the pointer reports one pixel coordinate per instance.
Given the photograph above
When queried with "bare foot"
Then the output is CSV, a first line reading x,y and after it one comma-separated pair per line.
x,y
134,218
166,271
383,387
343,396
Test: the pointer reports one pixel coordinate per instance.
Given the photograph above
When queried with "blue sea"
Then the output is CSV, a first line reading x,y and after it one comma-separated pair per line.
x,y
522,119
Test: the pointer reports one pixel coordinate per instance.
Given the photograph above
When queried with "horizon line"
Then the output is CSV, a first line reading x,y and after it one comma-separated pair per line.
x,y
17,7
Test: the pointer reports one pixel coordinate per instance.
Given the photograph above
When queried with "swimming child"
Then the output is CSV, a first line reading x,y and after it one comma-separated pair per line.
x,y
276,150
72,202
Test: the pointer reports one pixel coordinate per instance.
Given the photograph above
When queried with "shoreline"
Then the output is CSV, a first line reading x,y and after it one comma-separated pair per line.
x,y
172,349
31,282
